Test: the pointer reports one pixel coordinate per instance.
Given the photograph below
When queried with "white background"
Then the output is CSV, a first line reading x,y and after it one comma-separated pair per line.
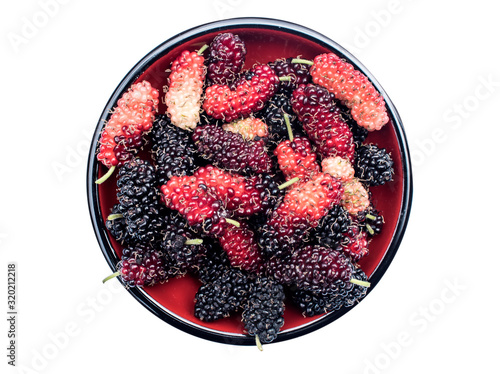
x,y
433,310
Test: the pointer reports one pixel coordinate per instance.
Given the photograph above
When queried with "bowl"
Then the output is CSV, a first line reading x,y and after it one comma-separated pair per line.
x,y
266,40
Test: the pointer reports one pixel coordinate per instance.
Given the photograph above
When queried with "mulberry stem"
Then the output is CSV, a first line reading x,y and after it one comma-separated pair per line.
x,y
302,61
115,274
258,343
360,282
288,183
288,126
106,176
233,222
202,49
114,216
194,242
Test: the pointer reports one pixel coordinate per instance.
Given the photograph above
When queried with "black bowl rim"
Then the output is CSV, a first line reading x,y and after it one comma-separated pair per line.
x,y
138,69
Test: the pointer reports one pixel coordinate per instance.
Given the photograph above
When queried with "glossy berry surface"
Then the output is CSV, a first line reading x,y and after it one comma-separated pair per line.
x,y
374,165
263,311
185,89
342,294
132,116
196,202
230,151
241,247
222,295
172,150
294,73
139,200
322,121
241,196
351,87
226,58
311,268
141,266
296,159
249,95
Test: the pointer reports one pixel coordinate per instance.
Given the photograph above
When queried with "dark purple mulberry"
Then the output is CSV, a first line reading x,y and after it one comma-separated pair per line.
x,y
138,198
172,150
230,151
226,58
342,294
221,296
312,268
293,73
263,310
141,266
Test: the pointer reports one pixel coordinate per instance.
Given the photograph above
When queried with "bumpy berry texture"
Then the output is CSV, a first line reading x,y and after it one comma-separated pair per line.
x,y
342,294
230,151
250,128
214,264
249,95
226,58
296,159
181,255
131,117
355,244
355,197
185,89
222,296
141,266
338,167
311,268
282,233
196,202
274,113
241,196
301,209
359,133
332,228
351,87
291,74
241,247
312,199
137,107
371,221
374,165
322,121
263,311
117,227
138,199
218,156
172,150
127,146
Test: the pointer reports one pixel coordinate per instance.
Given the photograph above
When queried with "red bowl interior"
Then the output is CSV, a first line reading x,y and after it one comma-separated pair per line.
x,y
263,45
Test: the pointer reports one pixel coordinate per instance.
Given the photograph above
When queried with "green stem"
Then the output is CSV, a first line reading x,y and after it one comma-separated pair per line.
x,y
288,126
115,216
115,274
202,49
288,183
258,343
370,229
106,176
233,222
285,78
370,217
302,61
360,282
194,242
